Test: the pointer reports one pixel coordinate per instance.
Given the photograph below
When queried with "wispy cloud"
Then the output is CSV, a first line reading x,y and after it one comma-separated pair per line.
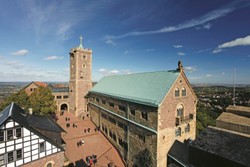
x,y
181,53
205,26
208,75
15,65
208,17
177,46
53,58
244,41
217,50
21,52
110,41
106,72
190,69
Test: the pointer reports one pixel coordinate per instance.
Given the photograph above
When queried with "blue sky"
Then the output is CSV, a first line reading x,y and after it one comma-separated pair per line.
x,y
210,38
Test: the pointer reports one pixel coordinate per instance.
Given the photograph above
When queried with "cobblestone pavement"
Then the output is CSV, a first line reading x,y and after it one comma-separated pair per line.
x,y
94,143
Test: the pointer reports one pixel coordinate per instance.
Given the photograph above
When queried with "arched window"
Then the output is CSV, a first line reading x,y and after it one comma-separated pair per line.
x,y
183,91
49,164
187,128
178,132
177,92
180,111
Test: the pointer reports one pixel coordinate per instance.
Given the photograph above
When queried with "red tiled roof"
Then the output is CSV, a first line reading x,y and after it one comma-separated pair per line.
x,y
43,84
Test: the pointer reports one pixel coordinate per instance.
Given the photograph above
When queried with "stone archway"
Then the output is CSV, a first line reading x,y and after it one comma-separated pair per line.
x,y
63,107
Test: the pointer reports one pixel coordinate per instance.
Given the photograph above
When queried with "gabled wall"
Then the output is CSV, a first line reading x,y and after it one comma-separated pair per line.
x,y
167,115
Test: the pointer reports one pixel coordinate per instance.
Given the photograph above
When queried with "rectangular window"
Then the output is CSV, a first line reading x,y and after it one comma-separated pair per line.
x,y
97,100
1,136
132,111
1,159
111,104
9,134
42,147
122,108
31,89
59,97
19,132
183,92
144,115
65,97
177,92
10,157
19,154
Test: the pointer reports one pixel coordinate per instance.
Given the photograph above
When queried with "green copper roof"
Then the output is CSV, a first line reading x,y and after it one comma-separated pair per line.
x,y
146,88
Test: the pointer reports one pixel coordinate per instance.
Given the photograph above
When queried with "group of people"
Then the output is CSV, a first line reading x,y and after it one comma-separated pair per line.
x,y
92,159
80,143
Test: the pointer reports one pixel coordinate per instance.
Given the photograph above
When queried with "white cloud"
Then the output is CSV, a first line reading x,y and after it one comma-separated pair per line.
x,y
177,46
110,41
190,69
102,70
202,20
207,26
181,53
208,75
21,52
114,72
237,42
217,50
53,58
67,69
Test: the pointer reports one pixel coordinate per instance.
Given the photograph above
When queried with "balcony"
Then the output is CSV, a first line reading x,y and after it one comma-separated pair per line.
x,y
180,120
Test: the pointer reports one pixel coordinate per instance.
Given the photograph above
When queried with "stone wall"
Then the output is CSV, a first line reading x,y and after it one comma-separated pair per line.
x,y
56,159
132,141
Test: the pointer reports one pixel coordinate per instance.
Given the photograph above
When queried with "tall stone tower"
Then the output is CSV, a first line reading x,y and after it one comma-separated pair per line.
x,y
80,78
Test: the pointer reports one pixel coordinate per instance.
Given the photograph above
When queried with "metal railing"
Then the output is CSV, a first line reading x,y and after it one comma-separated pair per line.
x,y
180,120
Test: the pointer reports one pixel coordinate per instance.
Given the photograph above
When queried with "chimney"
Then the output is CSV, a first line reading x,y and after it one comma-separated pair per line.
x,y
30,111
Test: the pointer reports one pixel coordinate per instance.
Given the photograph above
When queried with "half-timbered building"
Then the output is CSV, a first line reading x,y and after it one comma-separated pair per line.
x,y
29,140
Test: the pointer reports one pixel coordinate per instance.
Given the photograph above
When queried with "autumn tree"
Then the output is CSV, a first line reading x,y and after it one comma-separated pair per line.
x,y
42,102
20,98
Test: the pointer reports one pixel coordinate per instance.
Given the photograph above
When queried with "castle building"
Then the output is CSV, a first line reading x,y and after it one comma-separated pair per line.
x,y
143,114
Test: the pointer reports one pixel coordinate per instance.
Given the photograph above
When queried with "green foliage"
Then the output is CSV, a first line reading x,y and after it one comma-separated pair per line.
x,y
205,117
41,101
20,98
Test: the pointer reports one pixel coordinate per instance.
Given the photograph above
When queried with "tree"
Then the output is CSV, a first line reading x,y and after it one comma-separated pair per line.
x,y
42,102
20,98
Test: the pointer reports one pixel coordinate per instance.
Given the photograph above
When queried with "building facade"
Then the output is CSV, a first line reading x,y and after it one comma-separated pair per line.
x,y
143,114
24,142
